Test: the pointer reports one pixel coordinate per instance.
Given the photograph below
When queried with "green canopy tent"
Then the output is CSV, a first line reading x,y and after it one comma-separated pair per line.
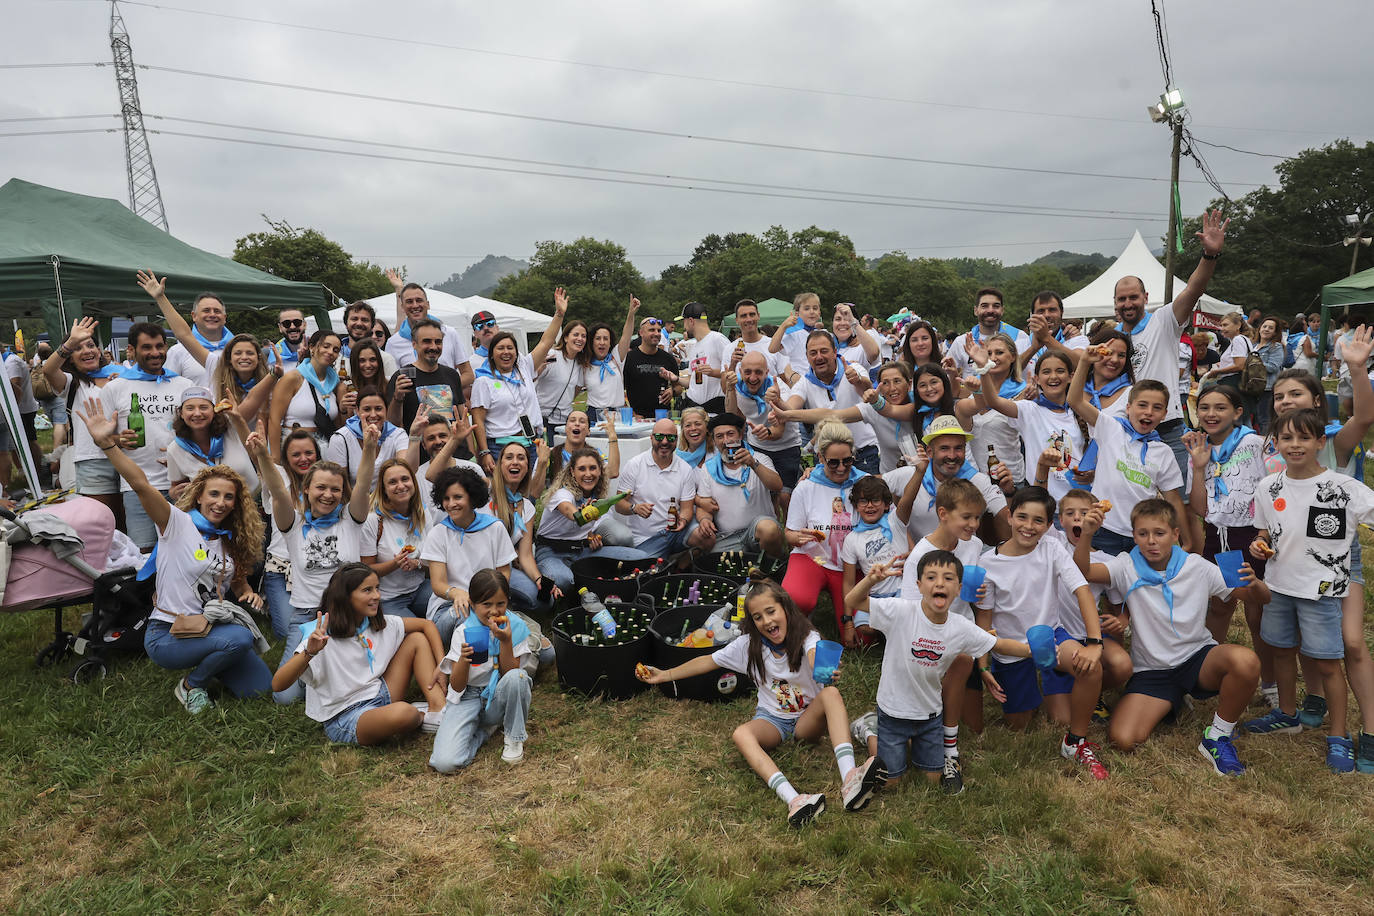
x,y
1356,289
771,311
65,255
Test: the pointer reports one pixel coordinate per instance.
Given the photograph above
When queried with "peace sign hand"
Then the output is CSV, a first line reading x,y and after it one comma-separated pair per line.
x,y
318,636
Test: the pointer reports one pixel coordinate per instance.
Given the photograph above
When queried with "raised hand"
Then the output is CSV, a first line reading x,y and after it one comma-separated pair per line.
x,y
1038,327
634,305
1357,349
417,426
83,329
372,437
397,281
256,443
1198,448
977,353
560,301
319,637
728,379
154,287
1213,232
100,426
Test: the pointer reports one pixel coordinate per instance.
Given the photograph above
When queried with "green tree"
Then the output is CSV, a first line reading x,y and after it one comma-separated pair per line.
x,y
597,274
929,287
1021,289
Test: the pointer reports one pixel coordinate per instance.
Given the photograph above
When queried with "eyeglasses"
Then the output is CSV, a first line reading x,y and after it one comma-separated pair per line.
x,y
483,325
664,437
868,499
290,323
839,462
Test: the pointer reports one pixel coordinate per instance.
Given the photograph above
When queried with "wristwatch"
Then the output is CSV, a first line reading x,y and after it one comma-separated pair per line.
x,y
1092,641
846,618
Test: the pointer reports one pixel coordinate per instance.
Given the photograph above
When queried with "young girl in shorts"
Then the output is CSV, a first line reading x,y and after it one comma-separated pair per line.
x,y
778,651
357,662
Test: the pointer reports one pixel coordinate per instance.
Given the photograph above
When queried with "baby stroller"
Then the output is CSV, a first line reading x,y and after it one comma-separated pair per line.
x,y
54,556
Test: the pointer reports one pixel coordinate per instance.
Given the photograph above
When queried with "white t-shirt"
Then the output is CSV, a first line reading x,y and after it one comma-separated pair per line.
x,y
659,486
1311,523
346,449
1123,478
180,361
456,350
894,437
958,349
1038,425
1070,617
554,524
1241,475
83,447
752,413
865,548
712,350
991,428
823,508
158,401
1154,354
816,397
918,654
190,569
605,388
317,554
923,518
736,512
395,536
490,548
18,368
341,676
557,382
506,405
182,465
794,348
854,354
1161,638
479,675
1017,588
969,552
782,692
1239,349
778,363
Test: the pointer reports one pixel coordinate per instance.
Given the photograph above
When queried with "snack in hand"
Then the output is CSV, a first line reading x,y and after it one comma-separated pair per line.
x,y
641,670
406,551
1263,549
1104,504
223,405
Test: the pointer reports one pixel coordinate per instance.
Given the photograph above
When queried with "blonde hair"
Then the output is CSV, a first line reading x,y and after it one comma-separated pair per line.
x,y
1239,318
831,432
682,433
564,480
225,382
415,507
1015,371
247,535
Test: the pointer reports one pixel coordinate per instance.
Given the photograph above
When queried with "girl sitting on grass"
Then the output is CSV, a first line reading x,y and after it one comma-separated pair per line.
x,y
357,662
778,650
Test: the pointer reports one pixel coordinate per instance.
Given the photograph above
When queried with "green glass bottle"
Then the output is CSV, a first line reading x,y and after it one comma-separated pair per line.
x,y
136,420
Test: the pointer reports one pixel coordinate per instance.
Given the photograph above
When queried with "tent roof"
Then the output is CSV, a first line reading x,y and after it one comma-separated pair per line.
x,y
1097,299
100,245
457,311
771,311
1357,289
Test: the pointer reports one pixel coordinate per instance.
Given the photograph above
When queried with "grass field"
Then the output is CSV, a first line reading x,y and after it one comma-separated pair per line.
x,y
117,801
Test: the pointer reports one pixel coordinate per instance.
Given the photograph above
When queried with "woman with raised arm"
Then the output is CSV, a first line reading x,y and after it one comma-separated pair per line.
x,y
503,405
308,397
206,545
996,358
514,490
75,373
560,370
299,453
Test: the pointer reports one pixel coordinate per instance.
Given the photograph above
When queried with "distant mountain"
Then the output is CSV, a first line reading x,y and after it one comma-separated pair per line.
x,y
1063,259
481,278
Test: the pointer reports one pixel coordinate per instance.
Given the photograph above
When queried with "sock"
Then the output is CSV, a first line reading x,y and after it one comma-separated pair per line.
x,y
779,784
1270,692
1219,728
844,756
951,741
1073,740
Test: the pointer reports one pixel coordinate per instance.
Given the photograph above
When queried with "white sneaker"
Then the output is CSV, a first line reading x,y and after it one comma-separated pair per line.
x,y
864,727
195,699
430,723
803,809
514,752
862,782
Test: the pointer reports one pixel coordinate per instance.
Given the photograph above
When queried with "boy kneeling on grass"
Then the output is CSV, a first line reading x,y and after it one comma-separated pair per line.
x,y
923,641
1168,593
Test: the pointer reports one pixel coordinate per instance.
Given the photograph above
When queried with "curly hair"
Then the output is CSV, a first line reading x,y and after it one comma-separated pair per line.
x,y
564,480
244,521
472,483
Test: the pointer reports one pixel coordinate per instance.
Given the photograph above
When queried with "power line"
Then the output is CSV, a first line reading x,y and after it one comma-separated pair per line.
x,y
643,174
1237,150
57,133
57,118
568,122
635,182
53,66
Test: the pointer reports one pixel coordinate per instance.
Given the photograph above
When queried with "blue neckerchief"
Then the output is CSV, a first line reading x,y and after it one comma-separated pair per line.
x,y
884,522
405,330
818,475
482,352
385,513
1002,328
202,525
799,326
323,523
495,374
1086,465
325,386
924,414
281,351
1010,388
1136,436
1096,394
1147,575
694,457
928,480
517,519
1121,325
225,336
355,426
715,466
1050,405
742,390
106,371
212,457
245,386
833,383
606,364
366,643
567,456
519,633
346,350
139,375
479,521
1222,454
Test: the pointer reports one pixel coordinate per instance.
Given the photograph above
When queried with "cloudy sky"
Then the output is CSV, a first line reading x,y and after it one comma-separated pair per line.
x,y
1059,86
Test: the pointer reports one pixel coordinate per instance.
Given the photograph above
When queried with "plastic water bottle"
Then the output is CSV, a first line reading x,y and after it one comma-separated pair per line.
x,y
597,611
714,622
726,632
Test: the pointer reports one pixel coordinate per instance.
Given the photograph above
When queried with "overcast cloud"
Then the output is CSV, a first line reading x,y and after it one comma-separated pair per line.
x,y
1293,71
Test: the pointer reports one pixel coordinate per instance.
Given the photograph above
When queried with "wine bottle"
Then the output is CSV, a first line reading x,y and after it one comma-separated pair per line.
x,y
597,509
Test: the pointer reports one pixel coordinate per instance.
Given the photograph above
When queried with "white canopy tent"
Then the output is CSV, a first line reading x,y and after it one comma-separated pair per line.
x,y
1096,300
457,312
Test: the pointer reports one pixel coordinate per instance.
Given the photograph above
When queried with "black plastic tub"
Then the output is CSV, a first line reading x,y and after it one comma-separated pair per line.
x,y
597,671
713,686
671,591
735,564
609,578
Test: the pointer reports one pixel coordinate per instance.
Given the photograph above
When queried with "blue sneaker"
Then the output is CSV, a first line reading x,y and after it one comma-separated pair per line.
x,y
1313,712
1274,722
1221,754
1364,761
1340,754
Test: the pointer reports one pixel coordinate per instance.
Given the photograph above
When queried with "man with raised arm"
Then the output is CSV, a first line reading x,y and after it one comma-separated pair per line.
x,y
208,329
412,307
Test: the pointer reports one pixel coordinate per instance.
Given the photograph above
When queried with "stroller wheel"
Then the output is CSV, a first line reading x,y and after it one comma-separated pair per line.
x,y
52,653
91,669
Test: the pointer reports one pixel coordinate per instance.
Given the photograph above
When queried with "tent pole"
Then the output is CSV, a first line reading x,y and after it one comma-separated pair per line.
x,y
57,283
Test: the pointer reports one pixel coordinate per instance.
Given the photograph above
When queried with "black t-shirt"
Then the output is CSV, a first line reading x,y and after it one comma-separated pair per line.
x,y
642,382
440,377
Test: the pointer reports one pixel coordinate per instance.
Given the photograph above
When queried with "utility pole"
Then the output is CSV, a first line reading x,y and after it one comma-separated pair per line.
x,y
1173,211
145,197
1358,239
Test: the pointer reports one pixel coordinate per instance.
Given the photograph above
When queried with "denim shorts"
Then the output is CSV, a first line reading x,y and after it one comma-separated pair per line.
x,y
926,738
1018,681
1108,541
785,727
1172,683
96,477
746,539
1311,625
787,462
343,728
1356,562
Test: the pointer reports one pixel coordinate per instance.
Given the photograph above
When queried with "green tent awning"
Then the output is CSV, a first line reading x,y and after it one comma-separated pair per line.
x,y
84,252
771,311
1357,289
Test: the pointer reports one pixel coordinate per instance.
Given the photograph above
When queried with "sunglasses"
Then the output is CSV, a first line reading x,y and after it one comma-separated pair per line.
x,y
483,325
839,462
290,323
665,437
653,322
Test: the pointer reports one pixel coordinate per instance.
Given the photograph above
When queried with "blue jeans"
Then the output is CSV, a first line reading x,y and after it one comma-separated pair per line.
x,y
787,462
666,543
462,731
278,602
866,459
226,653
1108,541
557,564
412,605
137,525
1173,438
524,594
299,618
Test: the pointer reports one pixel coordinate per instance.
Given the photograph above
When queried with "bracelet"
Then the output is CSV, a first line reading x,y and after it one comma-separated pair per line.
x,y
880,403
64,351
986,669
308,654
1210,257
414,438
982,370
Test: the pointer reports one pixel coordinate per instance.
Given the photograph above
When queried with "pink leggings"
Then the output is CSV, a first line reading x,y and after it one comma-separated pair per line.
x,y
804,580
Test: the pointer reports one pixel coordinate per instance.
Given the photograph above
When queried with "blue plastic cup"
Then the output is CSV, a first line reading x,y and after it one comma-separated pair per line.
x,y
827,660
627,415
661,413
480,640
1230,563
1041,639
973,580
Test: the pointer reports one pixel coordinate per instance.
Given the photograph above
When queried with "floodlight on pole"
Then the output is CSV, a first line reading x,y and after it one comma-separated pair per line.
x,y
1170,110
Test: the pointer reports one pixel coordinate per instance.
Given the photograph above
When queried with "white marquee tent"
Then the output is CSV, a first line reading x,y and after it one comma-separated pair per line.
x,y
457,312
1096,299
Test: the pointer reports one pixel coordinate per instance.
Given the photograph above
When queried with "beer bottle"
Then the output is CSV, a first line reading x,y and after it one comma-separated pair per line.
x,y
136,420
